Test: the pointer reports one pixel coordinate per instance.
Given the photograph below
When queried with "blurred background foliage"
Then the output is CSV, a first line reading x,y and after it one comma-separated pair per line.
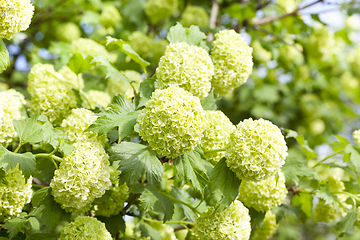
x,y
306,61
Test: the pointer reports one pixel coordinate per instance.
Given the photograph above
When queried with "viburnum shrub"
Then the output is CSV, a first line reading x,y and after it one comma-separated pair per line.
x,y
122,123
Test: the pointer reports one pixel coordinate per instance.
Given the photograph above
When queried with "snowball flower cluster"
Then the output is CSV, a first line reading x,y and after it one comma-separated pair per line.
x,y
69,77
186,66
194,15
85,228
141,43
321,44
82,176
356,136
90,47
110,16
112,202
260,53
97,98
172,122
256,151
10,105
231,223
15,16
68,32
158,49
115,87
49,94
15,192
216,134
77,122
268,228
232,61
263,195
158,10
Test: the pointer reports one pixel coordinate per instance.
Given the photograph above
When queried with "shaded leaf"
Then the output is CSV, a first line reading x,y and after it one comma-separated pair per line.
x,y
15,226
146,89
4,57
113,224
79,63
111,72
41,236
29,130
136,160
304,200
192,35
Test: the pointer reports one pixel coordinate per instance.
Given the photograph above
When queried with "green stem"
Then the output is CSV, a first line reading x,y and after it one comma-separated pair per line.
x,y
174,199
38,186
18,147
326,158
215,150
349,194
169,222
51,157
145,72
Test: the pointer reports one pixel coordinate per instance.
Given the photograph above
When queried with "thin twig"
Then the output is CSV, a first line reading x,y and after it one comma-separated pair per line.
x,y
213,18
266,20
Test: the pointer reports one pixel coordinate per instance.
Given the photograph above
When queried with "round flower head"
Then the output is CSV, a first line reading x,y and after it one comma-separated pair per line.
x,y
90,47
3,86
68,32
186,66
85,228
69,77
194,15
172,122
82,176
97,98
260,53
49,94
110,16
15,192
141,43
268,228
10,105
231,223
263,195
256,150
158,10
216,134
232,61
356,136
15,16
77,122
112,202
115,87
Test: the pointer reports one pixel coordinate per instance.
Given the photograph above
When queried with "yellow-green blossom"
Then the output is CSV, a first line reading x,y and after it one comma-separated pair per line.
x,y
112,202
85,228
158,10
15,16
263,195
15,192
90,47
68,32
10,105
231,223
49,94
110,16
216,134
97,98
232,61
356,136
185,66
256,150
194,15
82,176
268,228
172,122
141,43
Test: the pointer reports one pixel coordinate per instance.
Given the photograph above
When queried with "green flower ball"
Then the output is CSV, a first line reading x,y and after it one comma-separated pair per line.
x,y
158,48
15,16
85,228
194,15
216,134
232,60
172,122
158,10
231,223
82,176
10,109
77,122
115,87
90,47
256,150
15,192
141,43
97,98
110,16
49,94
356,136
268,228
185,66
68,32
263,195
112,202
